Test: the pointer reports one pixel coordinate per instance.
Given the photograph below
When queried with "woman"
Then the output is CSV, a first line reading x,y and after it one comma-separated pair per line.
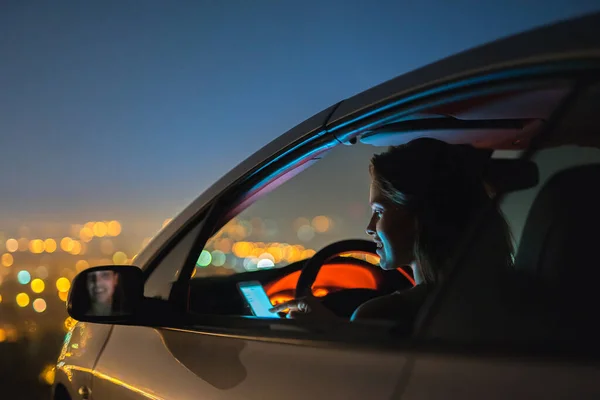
x,y
104,294
424,195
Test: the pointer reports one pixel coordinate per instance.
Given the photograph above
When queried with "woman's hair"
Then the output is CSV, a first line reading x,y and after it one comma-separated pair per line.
x,y
442,186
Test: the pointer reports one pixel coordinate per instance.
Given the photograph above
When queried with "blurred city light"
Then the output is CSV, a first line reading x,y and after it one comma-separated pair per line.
x,y
100,229
24,277
63,284
81,265
39,305
12,245
63,295
7,259
22,299
66,244
204,259
119,258
114,228
86,234
50,245
36,246
37,285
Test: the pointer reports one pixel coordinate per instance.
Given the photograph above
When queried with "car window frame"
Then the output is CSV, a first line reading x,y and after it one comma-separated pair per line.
x,y
239,326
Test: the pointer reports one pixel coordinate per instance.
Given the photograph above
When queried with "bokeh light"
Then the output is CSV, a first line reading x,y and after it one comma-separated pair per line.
x,y
2,335
50,245
39,305
321,223
113,228
12,245
41,272
76,248
66,244
7,259
63,295
306,233
119,258
63,284
37,285
0,298
218,258
36,246
81,265
204,260
100,229
23,277
22,299
86,234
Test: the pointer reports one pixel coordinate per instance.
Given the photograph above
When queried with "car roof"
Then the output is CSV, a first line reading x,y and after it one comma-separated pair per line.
x,y
577,38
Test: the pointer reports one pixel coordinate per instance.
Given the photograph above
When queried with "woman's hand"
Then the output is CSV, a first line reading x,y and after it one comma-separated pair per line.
x,y
307,307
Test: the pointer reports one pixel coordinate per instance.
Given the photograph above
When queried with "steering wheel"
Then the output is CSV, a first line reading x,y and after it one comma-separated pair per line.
x,y
313,265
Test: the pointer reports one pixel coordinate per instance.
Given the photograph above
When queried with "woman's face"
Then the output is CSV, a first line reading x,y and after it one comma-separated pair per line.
x,y
101,286
393,229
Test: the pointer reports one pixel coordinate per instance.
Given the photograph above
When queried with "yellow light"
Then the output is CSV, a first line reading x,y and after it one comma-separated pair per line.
x,y
36,246
76,247
86,234
321,223
119,258
63,295
37,285
63,284
66,244
50,245
242,249
70,323
7,259
2,335
81,265
0,298
22,299
114,228
194,272
39,305
276,252
12,245
307,254
100,229
48,374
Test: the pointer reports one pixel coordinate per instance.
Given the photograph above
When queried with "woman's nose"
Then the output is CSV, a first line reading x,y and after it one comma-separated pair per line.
x,y
371,228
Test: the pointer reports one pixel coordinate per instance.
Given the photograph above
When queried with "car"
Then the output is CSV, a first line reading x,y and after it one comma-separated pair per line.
x,y
291,218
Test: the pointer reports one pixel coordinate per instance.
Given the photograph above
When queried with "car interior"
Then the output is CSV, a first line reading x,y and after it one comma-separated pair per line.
x,y
550,202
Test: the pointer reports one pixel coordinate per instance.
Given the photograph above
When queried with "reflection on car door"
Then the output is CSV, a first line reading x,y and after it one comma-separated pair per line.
x,y
172,364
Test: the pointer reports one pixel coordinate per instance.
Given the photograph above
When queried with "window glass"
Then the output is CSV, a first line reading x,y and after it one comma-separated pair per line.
x,y
158,285
326,203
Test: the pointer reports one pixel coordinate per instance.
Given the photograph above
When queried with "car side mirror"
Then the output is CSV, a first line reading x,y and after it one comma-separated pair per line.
x,y
109,294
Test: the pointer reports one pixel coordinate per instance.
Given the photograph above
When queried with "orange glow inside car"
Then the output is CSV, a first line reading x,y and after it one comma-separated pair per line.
x,y
343,276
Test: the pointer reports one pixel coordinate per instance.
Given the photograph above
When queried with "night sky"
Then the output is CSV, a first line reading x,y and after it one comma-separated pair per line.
x,y
129,109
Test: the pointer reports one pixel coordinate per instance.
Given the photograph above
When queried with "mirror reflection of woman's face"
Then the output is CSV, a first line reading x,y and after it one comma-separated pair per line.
x,y
101,286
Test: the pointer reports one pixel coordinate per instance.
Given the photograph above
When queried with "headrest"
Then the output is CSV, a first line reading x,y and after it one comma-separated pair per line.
x,y
561,239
